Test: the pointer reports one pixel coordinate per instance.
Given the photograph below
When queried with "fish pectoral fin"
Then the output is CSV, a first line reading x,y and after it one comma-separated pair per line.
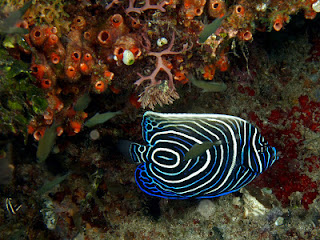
x,y
198,149
150,185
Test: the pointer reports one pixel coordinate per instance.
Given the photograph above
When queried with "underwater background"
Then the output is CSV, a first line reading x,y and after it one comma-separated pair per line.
x,y
77,76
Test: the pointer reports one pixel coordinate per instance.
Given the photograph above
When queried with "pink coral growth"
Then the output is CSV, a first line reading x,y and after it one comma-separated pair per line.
x,y
110,5
161,65
146,6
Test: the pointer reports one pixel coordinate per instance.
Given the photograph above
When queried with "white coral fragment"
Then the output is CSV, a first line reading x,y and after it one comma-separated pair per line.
x,y
158,94
252,207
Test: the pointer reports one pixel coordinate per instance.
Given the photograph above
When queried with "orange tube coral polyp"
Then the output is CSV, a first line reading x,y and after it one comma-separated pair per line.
x,y
104,37
46,83
245,35
71,72
193,8
87,57
100,86
87,36
239,10
91,35
59,105
278,24
217,8
116,20
114,89
37,36
79,23
52,39
198,11
76,126
84,68
136,52
108,74
181,77
59,131
39,133
48,114
76,55
38,70
50,30
118,51
135,23
55,58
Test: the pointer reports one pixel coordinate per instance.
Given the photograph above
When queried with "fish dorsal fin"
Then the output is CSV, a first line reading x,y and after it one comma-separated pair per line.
x,y
181,132
185,127
150,125
151,186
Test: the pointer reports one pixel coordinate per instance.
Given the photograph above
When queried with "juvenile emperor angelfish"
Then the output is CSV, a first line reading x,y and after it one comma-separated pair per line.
x,y
197,155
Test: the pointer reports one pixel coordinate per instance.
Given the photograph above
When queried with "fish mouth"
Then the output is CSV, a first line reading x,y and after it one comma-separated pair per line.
x,y
275,153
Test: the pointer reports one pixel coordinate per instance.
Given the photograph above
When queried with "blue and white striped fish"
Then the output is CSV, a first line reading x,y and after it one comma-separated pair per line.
x,y
197,155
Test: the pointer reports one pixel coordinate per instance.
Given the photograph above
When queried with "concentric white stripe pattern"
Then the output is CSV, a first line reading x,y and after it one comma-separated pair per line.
x,y
240,155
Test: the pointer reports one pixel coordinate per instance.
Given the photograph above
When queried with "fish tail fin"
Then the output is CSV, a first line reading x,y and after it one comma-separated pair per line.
x,y
133,151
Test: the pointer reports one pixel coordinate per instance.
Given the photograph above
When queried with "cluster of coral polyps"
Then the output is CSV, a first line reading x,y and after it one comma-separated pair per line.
x,y
242,19
74,67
